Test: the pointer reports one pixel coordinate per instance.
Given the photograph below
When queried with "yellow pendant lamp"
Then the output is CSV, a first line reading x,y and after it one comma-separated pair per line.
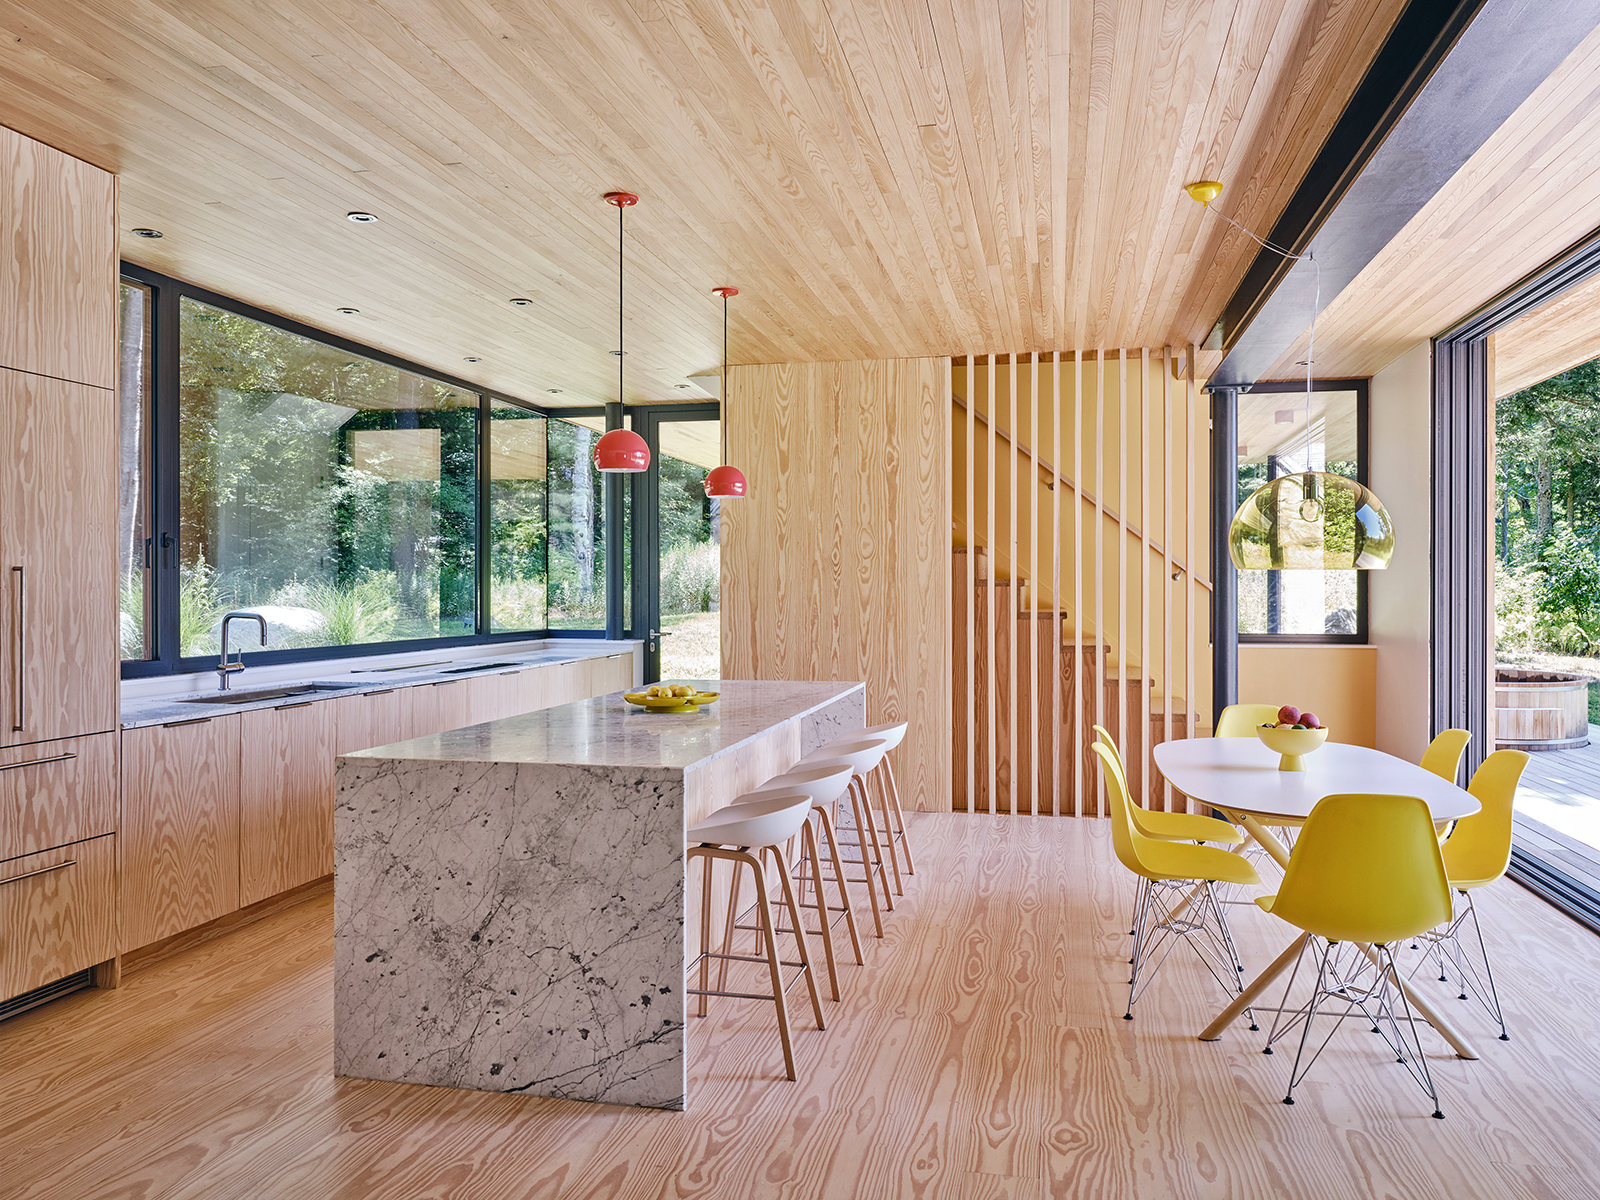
x,y
1310,520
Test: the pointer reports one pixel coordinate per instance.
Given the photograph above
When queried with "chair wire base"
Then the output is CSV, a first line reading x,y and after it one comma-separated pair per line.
x,y
1170,911
1450,949
1345,974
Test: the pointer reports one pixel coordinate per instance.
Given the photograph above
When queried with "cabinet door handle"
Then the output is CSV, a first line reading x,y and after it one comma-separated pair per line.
x,y
19,671
37,762
71,862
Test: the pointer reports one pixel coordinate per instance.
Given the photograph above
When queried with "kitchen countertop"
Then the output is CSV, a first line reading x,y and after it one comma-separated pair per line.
x,y
174,706
605,732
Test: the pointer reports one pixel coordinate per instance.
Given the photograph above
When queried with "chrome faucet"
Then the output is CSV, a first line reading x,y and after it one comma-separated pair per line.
x,y
226,669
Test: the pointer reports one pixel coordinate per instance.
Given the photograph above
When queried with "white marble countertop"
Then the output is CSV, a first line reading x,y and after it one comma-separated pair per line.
x,y
440,666
609,732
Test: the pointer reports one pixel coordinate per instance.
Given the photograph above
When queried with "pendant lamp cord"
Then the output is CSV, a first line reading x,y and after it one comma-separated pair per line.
x,y
1316,307
620,349
722,397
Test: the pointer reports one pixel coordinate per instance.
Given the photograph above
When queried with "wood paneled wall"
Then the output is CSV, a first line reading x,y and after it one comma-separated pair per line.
x,y
1079,491
836,564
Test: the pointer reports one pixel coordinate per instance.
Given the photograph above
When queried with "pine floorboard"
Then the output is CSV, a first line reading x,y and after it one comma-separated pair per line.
x,y
980,1054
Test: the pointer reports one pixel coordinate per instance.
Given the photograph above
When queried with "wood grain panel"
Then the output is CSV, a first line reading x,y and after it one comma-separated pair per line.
x,y
285,798
982,1043
837,564
58,913
58,559
58,276
56,793
1530,191
889,180
180,827
373,719
1548,341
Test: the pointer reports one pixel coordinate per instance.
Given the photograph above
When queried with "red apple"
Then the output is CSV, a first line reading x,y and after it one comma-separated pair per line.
x,y
1309,720
1288,714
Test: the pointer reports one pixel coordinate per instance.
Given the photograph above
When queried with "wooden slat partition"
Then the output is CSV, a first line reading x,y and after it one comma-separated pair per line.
x,y
837,564
1061,622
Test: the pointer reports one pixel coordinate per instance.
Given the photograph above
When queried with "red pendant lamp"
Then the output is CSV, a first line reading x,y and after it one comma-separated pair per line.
x,y
725,482
621,450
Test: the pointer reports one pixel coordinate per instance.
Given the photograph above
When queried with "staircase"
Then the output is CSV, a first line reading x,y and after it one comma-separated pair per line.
x,y
1017,779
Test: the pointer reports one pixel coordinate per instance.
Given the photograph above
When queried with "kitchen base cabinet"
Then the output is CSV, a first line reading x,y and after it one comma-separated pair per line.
x,y
58,913
53,793
285,798
180,826
371,719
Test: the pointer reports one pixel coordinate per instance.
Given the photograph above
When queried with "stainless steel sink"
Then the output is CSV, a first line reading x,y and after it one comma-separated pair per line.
x,y
257,695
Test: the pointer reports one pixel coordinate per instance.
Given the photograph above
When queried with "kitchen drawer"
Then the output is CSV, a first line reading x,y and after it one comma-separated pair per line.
x,y
58,913
52,793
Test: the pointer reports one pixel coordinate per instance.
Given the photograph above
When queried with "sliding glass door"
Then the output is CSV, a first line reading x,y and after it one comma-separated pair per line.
x,y
677,543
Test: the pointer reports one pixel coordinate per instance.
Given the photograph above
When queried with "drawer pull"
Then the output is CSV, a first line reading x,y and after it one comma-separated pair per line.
x,y
19,662
71,862
37,762
300,704
181,724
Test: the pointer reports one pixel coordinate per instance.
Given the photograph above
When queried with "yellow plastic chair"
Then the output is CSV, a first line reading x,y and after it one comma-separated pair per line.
x,y
1366,869
1167,826
1240,720
1443,755
1476,855
1176,902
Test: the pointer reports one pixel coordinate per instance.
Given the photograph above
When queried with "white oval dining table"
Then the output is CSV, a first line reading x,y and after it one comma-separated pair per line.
x,y
1240,776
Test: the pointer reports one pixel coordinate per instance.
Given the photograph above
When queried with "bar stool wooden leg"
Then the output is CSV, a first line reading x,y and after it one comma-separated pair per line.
x,y
728,929
863,823
764,908
705,935
877,842
899,815
782,865
888,825
810,837
832,838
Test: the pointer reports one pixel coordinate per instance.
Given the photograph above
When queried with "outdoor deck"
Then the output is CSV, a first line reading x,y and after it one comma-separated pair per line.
x,y
1558,809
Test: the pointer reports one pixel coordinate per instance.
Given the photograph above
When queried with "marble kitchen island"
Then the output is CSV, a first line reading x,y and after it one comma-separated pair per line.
x,y
509,898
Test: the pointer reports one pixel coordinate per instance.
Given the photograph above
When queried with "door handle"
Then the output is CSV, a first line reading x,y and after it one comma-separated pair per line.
x,y
19,671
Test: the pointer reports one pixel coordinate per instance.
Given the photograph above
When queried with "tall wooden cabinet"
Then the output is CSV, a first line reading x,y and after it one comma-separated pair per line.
x,y
59,847
58,556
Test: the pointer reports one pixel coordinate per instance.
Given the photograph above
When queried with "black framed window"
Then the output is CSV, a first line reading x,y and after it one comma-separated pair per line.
x,y
1277,607
360,502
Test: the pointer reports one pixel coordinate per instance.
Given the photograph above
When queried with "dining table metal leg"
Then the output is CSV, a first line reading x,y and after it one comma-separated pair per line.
x,y
1270,843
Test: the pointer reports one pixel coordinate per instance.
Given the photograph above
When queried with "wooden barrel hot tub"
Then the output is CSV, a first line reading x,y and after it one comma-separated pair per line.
x,y
1540,710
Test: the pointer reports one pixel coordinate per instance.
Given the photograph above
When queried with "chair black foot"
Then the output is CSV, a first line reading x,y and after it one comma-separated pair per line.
x,y
1444,979
1505,1037
1266,1049
1439,1115
1127,1016
1288,1099
1254,1028
1463,996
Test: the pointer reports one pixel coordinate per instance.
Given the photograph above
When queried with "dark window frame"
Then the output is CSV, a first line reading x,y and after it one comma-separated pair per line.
x,y
1361,387
166,292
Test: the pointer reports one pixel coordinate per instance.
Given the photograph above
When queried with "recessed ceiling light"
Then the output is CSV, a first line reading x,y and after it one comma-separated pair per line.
x,y
680,386
521,301
349,312
472,360
360,218
554,391
147,233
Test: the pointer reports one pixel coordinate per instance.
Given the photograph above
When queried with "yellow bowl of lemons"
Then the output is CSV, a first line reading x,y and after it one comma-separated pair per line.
x,y
671,697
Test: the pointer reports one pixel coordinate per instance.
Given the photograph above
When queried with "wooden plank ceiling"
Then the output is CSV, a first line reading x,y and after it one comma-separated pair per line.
x,y
1531,191
881,178
1554,338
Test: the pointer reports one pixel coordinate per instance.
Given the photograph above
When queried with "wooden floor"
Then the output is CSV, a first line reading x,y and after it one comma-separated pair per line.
x,y
1558,809
980,1054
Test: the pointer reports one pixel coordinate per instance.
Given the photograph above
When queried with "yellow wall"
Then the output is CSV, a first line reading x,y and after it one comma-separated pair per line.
x,y
1338,683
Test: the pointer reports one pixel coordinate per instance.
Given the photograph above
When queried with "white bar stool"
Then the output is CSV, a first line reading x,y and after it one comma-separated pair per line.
x,y
730,834
862,754
824,784
889,794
